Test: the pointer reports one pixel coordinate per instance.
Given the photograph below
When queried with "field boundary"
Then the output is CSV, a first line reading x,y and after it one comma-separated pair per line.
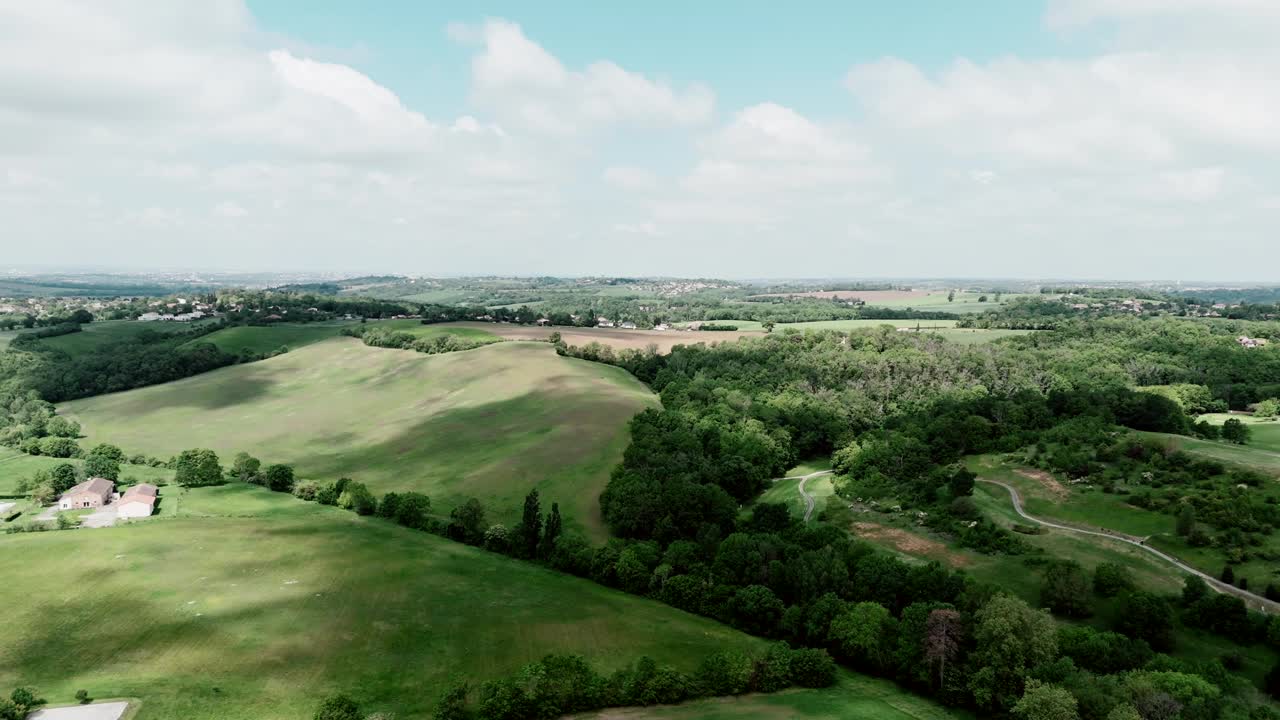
x,y
1258,601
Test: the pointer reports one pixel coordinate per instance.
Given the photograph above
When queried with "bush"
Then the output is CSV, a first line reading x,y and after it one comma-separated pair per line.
x,y
338,707
1111,579
306,490
82,696
724,673
59,447
278,478
812,668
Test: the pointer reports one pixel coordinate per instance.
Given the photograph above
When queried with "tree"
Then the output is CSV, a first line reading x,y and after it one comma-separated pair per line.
x,y
1010,638
1124,712
1234,431
1066,590
1111,579
280,478
1272,682
197,468
1186,519
453,704
59,426
338,707
961,483
943,633
756,609
104,461
1194,590
530,530
1228,575
59,447
812,668
355,497
768,325
245,468
1146,616
951,295
62,478
466,522
1042,701
413,510
725,673
551,531
862,633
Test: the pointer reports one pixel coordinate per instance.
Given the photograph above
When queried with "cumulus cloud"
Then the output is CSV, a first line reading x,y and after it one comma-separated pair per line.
x,y
528,86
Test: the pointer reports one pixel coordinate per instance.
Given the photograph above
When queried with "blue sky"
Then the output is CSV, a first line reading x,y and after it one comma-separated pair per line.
x,y
1124,139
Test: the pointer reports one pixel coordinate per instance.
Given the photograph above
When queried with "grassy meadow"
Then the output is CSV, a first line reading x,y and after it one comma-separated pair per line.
x,y
257,615
491,423
266,338
855,697
16,465
1264,433
1255,455
96,334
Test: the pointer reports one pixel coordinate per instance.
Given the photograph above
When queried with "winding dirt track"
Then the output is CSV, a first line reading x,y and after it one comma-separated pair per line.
x,y
1256,601
809,500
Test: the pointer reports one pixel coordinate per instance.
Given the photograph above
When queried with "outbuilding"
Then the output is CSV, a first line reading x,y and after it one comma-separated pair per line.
x,y
138,501
92,493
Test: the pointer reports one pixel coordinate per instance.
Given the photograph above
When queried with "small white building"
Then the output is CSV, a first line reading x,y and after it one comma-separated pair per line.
x,y
138,501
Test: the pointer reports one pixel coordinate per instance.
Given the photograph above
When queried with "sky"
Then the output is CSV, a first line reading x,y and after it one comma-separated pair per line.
x,y
1093,139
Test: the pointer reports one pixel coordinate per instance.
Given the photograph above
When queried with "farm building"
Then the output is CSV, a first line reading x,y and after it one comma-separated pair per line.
x,y
137,501
92,493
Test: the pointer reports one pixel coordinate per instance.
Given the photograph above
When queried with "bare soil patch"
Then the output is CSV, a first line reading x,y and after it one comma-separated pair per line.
x,y
870,297
616,338
909,543
1047,481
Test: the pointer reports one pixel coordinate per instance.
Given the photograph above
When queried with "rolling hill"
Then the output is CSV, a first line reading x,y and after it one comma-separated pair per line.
x,y
491,423
258,613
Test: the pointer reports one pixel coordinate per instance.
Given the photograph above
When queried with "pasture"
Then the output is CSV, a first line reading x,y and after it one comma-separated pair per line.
x,y
616,338
96,334
267,338
257,618
854,697
16,465
1254,456
491,423
1264,433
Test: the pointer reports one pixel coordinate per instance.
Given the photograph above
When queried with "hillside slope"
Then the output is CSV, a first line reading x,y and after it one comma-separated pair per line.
x,y
490,423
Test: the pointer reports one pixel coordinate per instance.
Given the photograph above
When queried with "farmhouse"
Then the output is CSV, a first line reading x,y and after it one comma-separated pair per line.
x,y
92,493
137,501
1248,342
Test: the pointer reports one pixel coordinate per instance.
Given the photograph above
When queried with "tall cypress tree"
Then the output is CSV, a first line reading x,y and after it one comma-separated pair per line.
x,y
551,531
531,524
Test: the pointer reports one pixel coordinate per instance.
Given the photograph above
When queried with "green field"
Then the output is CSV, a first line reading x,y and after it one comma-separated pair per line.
x,y
96,334
964,302
1264,433
847,325
787,491
417,329
15,466
1253,456
256,618
491,423
267,338
855,697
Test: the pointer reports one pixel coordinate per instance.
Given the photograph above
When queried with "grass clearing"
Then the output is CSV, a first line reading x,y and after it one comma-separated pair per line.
x,y
1264,433
854,697
256,618
267,338
96,334
787,491
1252,456
491,423
16,465
616,338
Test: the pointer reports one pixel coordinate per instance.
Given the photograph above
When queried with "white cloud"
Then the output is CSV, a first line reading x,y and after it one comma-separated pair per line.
x,y
630,178
527,86
230,210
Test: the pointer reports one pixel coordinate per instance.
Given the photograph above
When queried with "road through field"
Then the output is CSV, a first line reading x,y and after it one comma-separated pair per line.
x,y
1257,601
809,500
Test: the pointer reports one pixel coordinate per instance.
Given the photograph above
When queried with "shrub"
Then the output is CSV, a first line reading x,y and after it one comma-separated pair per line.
x,y
812,668
306,490
1110,579
338,707
59,447
82,696
278,477
724,673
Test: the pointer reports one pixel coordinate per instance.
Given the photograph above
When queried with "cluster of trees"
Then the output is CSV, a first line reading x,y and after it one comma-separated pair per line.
x,y
20,703
384,337
560,685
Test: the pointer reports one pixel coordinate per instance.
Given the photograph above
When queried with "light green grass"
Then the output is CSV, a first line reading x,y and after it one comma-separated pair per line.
x,y
1264,433
491,423
788,492
863,324
96,334
1250,456
267,338
854,697
417,329
257,618
15,466
743,325
7,336
810,466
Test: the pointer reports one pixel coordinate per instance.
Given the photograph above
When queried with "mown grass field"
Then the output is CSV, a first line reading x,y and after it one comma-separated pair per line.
x,y
855,697
15,465
1264,433
258,617
96,334
1254,455
267,338
787,491
492,423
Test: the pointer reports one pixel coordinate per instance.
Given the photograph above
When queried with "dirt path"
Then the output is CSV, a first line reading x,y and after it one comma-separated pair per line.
x,y
1257,601
809,500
